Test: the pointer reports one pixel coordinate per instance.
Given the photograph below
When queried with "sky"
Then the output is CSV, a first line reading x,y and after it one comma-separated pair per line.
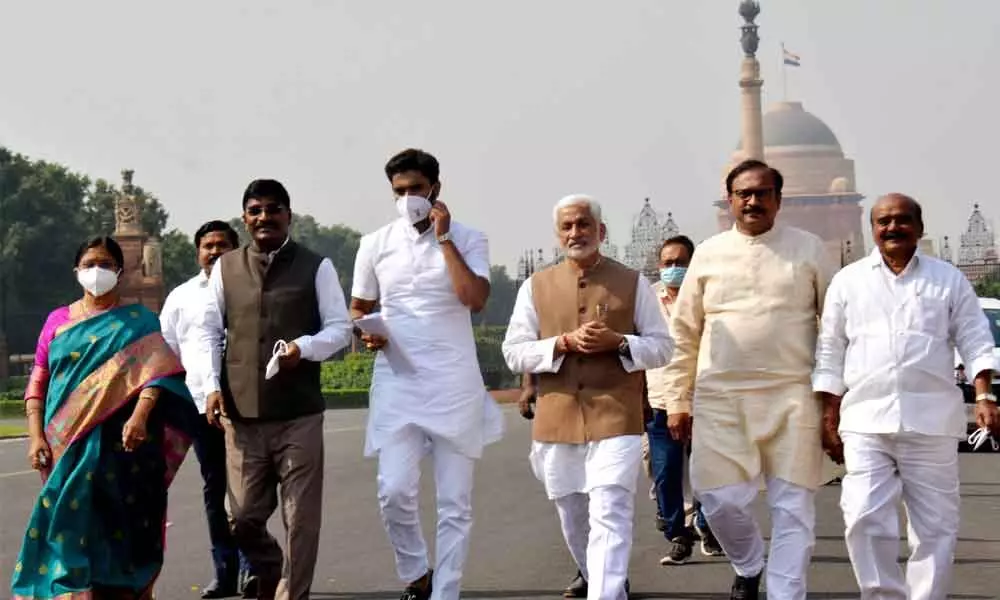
x,y
522,101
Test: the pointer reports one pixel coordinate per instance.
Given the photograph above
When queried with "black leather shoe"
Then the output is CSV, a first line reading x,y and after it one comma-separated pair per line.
x,y
251,586
220,590
577,588
420,589
745,588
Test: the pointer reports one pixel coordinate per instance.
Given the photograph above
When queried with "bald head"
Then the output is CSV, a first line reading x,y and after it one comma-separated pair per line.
x,y
902,200
897,226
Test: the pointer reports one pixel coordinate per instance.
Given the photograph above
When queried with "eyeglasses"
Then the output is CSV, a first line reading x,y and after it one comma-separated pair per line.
x,y
750,192
269,209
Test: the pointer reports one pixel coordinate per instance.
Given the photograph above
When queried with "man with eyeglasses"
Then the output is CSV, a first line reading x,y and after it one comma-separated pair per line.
x,y
745,323
284,312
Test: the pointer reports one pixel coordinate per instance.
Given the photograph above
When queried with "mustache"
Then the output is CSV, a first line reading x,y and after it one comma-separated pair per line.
x,y
753,210
263,224
893,236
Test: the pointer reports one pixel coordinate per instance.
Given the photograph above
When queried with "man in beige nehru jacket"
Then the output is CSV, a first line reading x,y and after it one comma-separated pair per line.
x,y
588,327
745,324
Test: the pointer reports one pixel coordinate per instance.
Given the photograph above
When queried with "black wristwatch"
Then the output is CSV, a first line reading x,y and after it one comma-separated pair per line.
x,y
623,348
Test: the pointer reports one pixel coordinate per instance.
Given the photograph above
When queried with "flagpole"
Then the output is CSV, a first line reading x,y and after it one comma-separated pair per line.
x,y
784,75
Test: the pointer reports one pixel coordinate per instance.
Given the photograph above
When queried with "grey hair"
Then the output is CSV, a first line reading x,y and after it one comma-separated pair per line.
x,y
578,200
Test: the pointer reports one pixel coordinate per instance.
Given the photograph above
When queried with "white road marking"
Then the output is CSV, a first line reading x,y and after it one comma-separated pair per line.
x,y
16,473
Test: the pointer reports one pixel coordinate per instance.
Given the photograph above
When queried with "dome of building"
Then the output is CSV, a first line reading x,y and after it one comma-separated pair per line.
x,y
788,124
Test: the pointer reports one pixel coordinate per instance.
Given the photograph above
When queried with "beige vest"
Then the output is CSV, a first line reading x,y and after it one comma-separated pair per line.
x,y
591,397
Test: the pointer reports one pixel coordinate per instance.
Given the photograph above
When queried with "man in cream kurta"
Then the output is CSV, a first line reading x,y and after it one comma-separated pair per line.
x,y
745,326
428,273
588,326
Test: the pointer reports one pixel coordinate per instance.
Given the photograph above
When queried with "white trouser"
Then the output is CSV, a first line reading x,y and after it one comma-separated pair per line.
x,y
398,484
593,486
793,518
598,531
923,471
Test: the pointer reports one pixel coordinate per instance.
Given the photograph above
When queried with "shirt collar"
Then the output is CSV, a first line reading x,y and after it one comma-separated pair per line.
x,y
270,255
876,261
760,238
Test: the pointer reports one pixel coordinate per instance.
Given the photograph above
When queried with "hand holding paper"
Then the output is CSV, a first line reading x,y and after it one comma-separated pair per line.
x,y
377,337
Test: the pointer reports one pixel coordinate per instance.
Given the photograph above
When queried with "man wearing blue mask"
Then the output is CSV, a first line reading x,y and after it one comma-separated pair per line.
x,y
427,273
668,453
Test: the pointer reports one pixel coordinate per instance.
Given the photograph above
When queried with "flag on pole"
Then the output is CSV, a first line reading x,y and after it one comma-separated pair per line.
x,y
789,58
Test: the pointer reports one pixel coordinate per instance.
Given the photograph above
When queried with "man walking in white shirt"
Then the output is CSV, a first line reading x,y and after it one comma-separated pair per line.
x,y
588,327
892,412
183,312
428,273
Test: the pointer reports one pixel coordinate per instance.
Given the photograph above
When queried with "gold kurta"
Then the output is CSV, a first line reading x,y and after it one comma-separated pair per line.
x,y
745,324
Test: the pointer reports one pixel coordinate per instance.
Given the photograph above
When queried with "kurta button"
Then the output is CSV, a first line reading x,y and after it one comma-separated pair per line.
x,y
583,283
583,309
579,386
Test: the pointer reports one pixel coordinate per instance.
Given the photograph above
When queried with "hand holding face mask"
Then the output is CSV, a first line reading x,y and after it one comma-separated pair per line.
x,y
273,366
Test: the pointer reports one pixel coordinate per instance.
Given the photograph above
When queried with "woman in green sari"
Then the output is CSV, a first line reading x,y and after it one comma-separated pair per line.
x,y
110,421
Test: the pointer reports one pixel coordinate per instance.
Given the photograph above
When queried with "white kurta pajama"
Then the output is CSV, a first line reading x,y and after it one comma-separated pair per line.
x,y
442,408
888,341
745,326
592,484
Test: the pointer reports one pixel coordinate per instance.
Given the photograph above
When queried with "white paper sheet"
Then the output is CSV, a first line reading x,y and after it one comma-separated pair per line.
x,y
374,324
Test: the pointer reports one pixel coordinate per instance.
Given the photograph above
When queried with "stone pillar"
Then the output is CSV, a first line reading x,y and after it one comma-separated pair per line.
x,y
750,109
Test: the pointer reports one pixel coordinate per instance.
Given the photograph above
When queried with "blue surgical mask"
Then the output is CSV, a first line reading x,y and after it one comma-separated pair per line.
x,y
672,276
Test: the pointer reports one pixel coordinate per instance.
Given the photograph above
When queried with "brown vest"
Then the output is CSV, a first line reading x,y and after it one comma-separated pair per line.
x,y
591,397
265,303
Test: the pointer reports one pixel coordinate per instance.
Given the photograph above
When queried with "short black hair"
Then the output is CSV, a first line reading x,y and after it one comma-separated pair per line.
x,y
750,165
101,241
412,159
677,240
267,188
213,226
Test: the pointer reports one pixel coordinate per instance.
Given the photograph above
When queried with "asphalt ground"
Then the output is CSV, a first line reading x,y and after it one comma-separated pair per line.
x,y
516,549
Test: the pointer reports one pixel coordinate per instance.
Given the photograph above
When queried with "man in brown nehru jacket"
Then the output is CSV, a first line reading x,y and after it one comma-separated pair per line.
x,y
280,309
588,327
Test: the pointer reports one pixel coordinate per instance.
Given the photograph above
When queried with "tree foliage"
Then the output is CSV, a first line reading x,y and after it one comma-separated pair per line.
x,y
500,304
988,287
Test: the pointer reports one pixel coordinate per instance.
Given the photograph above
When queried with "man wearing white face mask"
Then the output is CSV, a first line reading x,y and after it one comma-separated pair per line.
x,y
428,274
667,430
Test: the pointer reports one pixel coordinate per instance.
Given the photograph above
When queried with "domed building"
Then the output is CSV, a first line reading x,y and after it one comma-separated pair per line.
x,y
819,193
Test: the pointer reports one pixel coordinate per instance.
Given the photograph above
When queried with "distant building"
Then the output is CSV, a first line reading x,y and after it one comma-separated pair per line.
x,y
819,187
649,230
142,273
977,251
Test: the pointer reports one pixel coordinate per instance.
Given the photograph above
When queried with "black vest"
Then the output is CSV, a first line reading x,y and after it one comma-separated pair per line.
x,y
266,303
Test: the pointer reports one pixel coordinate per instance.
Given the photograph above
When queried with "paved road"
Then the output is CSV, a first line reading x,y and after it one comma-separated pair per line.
x,y
517,551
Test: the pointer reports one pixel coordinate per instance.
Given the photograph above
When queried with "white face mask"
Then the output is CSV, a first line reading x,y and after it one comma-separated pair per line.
x,y
413,208
97,280
280,348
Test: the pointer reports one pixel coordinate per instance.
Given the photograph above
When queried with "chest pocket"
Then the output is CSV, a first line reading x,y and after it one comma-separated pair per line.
x,y
928,314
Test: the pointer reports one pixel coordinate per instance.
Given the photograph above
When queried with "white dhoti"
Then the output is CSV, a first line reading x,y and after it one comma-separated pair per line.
x,y
398,485
793,518
593,486
921,470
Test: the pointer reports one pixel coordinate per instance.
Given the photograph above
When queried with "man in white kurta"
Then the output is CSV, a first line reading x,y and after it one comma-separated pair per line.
x,y
745,325
884,363
425,271
588,327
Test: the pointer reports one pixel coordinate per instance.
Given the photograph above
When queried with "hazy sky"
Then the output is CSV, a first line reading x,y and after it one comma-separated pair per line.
x,y
522,101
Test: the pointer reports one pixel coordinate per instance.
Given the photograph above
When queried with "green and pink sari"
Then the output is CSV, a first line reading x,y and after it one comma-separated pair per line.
x,y
97,528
